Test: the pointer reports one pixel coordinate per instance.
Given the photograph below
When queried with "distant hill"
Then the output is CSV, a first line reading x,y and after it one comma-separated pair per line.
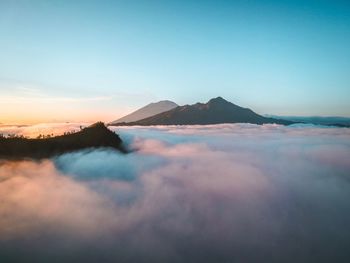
x,y
217,110
318,120
147,111
96,135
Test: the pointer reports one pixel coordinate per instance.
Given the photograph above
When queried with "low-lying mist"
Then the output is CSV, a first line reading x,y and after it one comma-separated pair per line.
x,y
216,193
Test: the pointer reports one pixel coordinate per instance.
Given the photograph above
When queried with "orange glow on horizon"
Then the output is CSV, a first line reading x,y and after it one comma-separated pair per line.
x,y
36,115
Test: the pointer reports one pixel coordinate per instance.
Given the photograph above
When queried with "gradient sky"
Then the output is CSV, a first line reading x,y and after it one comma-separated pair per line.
x,y
90,60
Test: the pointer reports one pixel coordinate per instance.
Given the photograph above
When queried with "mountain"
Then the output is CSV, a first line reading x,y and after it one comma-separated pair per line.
x,y
317,120
94,136
217,110
147,111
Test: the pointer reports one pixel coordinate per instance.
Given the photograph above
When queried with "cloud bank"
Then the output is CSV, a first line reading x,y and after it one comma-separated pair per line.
x,y
216,193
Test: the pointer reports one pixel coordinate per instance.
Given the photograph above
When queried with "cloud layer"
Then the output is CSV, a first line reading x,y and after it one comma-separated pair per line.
x,y
217,193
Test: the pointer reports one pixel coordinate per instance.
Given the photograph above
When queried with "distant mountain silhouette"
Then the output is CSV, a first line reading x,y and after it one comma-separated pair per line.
x,y
215,111
317,120
96,135
147,111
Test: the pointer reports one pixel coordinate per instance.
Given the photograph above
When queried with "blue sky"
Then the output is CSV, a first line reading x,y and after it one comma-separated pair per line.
x,y
102,59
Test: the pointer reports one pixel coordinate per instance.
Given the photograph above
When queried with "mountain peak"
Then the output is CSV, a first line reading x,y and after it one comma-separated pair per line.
x,y
164,101
98,124
218,100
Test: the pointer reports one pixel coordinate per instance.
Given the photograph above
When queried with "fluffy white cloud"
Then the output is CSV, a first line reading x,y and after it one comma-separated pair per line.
x,y
216,193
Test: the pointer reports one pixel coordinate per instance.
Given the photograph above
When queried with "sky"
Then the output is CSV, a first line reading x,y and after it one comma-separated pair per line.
x,y
65,61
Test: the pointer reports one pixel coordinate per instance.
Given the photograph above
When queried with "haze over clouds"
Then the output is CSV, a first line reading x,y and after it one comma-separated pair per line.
x,y
216,193
33,131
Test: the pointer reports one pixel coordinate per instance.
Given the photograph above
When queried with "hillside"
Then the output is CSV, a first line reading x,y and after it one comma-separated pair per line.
x,y
94,136
147,111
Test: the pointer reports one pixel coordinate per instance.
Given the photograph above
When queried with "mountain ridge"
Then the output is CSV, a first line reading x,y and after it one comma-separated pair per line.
x,y
149,110
215,111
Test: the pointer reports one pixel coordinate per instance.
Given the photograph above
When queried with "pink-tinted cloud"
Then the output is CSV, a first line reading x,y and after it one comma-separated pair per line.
x,y
215,193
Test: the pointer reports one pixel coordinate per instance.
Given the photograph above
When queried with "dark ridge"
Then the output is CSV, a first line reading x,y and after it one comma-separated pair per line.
x,y
94,136
215,111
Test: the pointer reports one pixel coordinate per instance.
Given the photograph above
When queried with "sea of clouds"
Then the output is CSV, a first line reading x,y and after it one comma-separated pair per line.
x,y
215,193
